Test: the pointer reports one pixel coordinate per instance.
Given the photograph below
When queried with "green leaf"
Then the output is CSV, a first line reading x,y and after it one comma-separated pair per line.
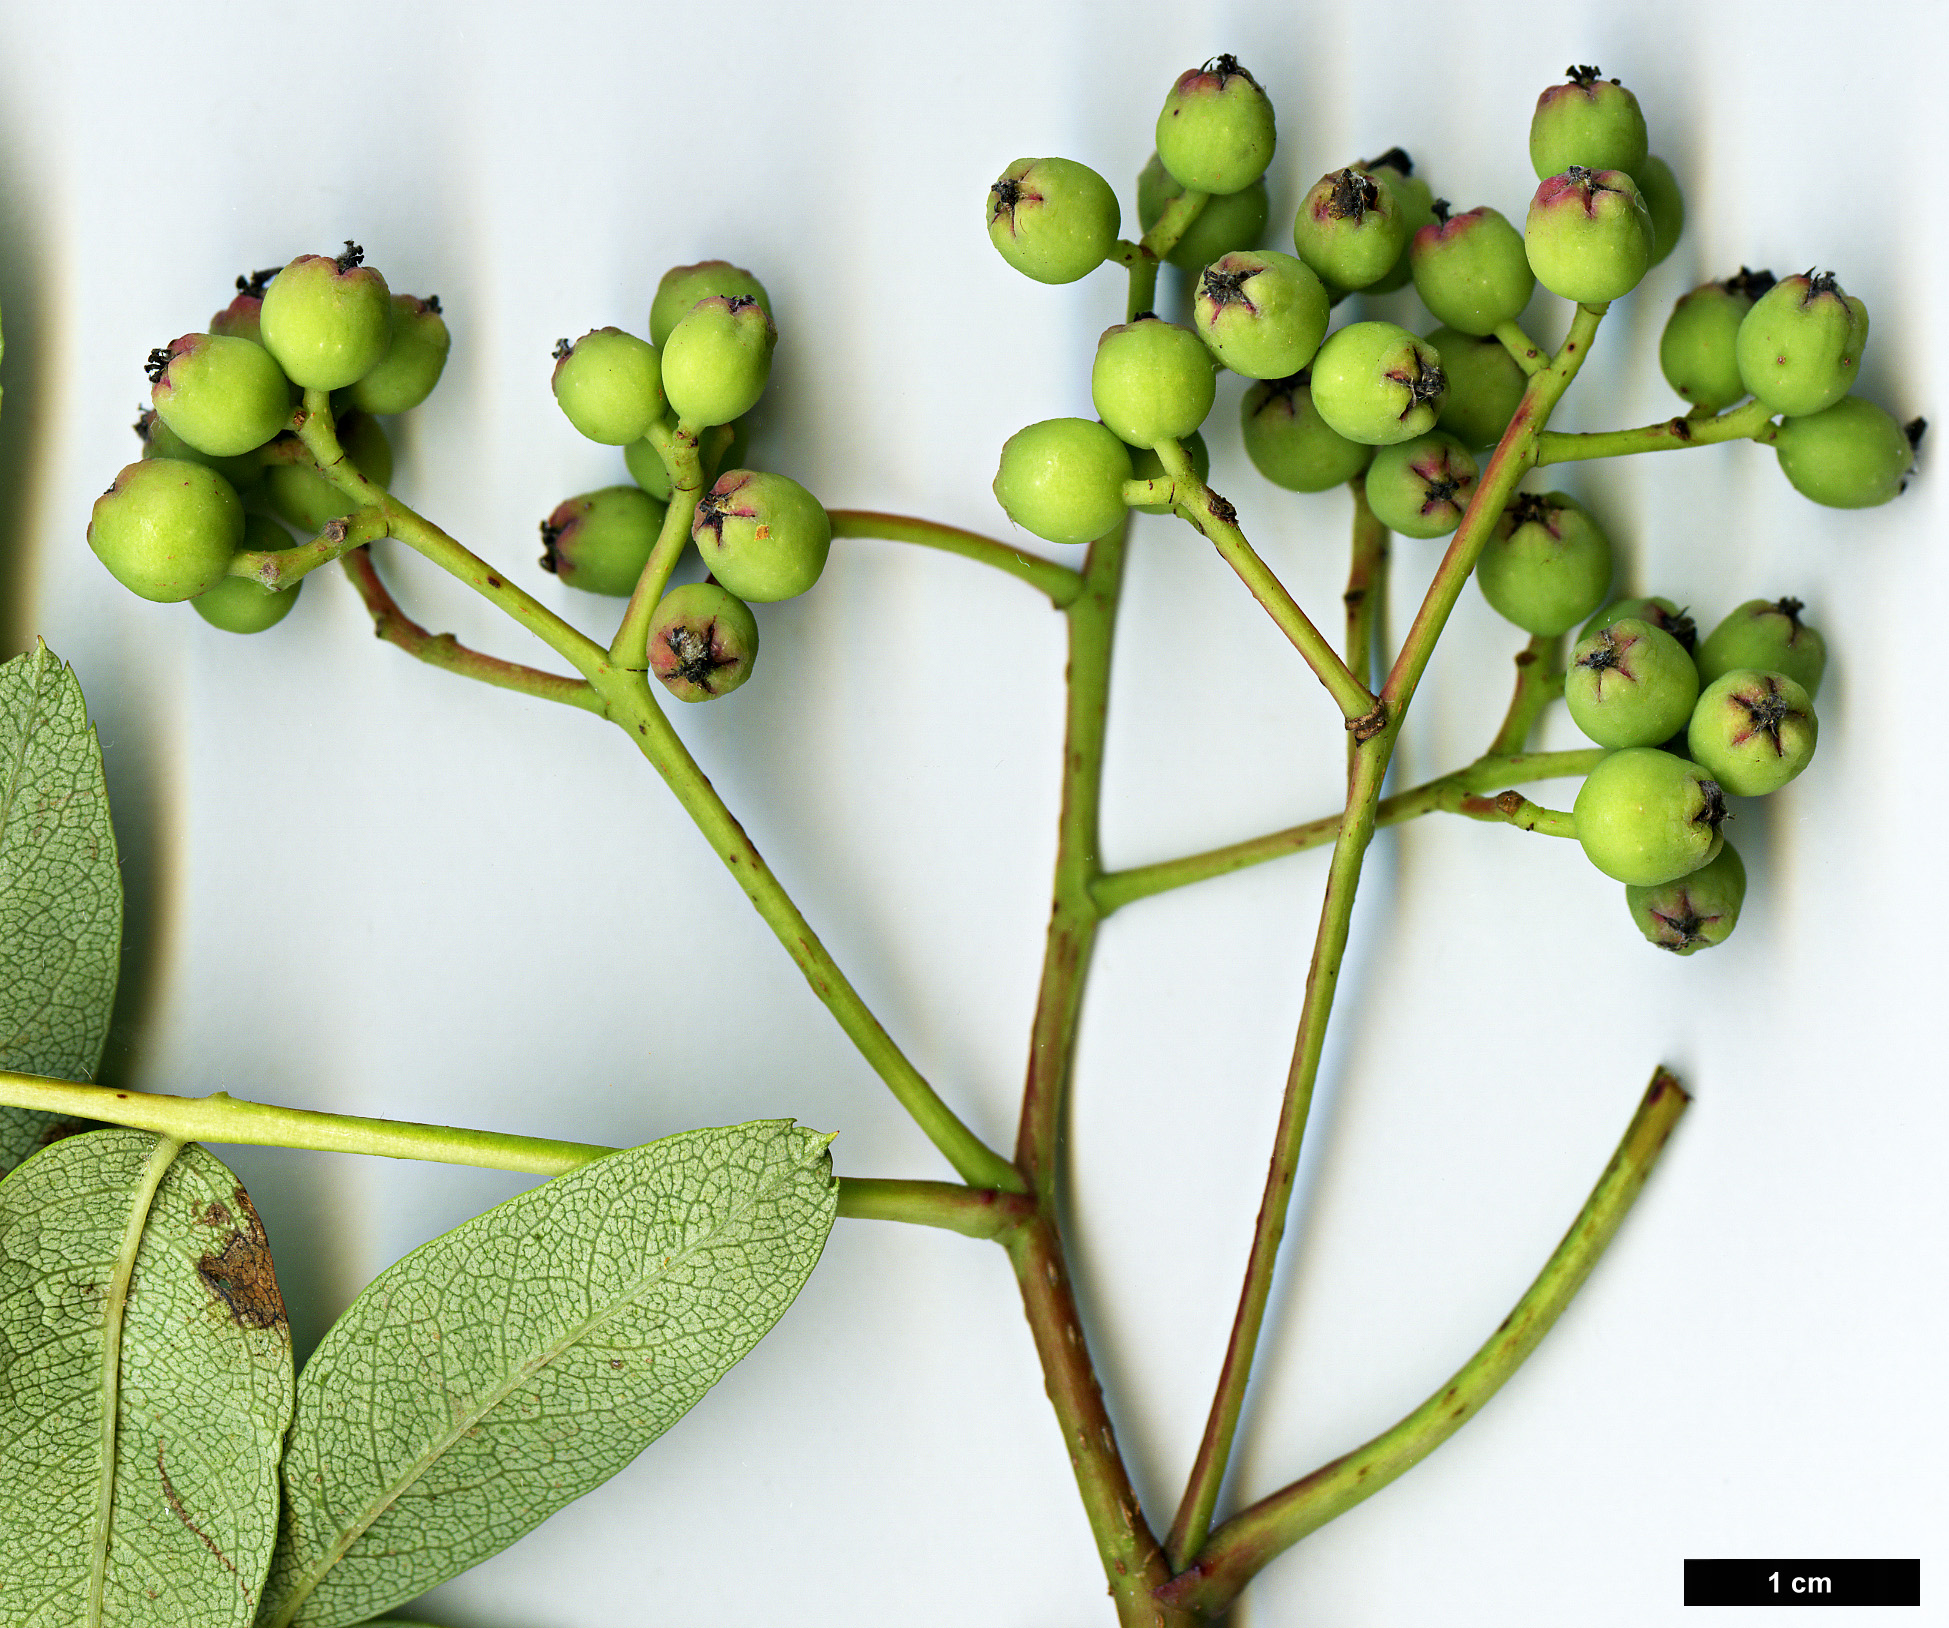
x,y
145,1386
506,1368
60,891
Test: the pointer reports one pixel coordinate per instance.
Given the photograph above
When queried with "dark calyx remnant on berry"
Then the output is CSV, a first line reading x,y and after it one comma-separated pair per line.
x,y
561,350
1441,489
712,507
697,654
1712,805
353,256
1007,195
1531,509
1683,929
1678,624
1915,429
1425,383
1749,283
1352,196
252,285
157,364
1442,209
1583,75
1225,288
432,303
1765,713
145,422
1395,158
551,558
1605,656
1789,608
1226,66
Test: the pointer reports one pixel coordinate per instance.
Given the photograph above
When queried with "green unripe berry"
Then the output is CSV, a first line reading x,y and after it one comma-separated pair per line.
x,y
1697,350
718,359
1630,684
1262,313
309,501
703,642
1592,122
1151,381
160,441
1377,383
221,396
1146,465
1063,479
1663,202
1485,386
1471,270
1053,219
1766,634
242,318
167,529
1695,912
1290,444
1588,235
1547,565
764,537
1752,731
1852,455
1395,170
1216,132
414,362
1799,348
600,542
327,321
681,287
240,605
1420,487
1662,614
609,384
1645,817
1225,224
1350,229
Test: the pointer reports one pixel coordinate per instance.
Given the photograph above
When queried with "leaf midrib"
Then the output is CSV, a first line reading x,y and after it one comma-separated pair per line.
x,y
310,1580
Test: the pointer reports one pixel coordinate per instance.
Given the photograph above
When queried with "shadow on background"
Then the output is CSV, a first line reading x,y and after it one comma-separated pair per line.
x,y
140,793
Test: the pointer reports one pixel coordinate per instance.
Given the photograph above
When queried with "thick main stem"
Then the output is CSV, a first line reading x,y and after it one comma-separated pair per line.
x,y
1240,1548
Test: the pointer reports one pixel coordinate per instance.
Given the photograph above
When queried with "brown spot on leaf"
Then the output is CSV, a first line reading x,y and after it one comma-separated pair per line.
x,y
240,1275
214,1214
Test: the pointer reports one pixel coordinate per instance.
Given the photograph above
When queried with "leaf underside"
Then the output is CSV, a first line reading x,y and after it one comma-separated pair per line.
x,y
201,1394
60,891
506,1368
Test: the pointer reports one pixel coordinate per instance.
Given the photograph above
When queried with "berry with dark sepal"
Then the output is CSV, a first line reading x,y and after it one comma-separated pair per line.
x,y
1853,455
681,287
1590,121
1663,614
1752,731
1645,817
1547,565
414,362
1262,313
1377,383
1698,349
1588,235
703,641
1350,229
1630,684
600,541
1695,912
1052,219
1799,347
763,536
609,385
327,319
1216,132
1290,444
1420,487
222,396
1395,169
717,360
1766,634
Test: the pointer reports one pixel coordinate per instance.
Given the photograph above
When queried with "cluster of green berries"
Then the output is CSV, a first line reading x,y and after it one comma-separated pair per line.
x,y
1687,722
761,536
212,481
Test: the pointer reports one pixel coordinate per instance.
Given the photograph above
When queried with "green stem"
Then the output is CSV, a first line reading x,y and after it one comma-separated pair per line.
x,y
1513,808
1366,595
1322,979
1539,681
444,651
1141,294
1241,1547
1215,518
636,713
1115,889
1059,582
316,430
1530,356
974,1211
279,568
678,449
1513,457
1750,422
1073,918
1173,223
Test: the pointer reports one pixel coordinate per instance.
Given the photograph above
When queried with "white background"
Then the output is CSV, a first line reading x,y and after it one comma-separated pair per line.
x,y
359,884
